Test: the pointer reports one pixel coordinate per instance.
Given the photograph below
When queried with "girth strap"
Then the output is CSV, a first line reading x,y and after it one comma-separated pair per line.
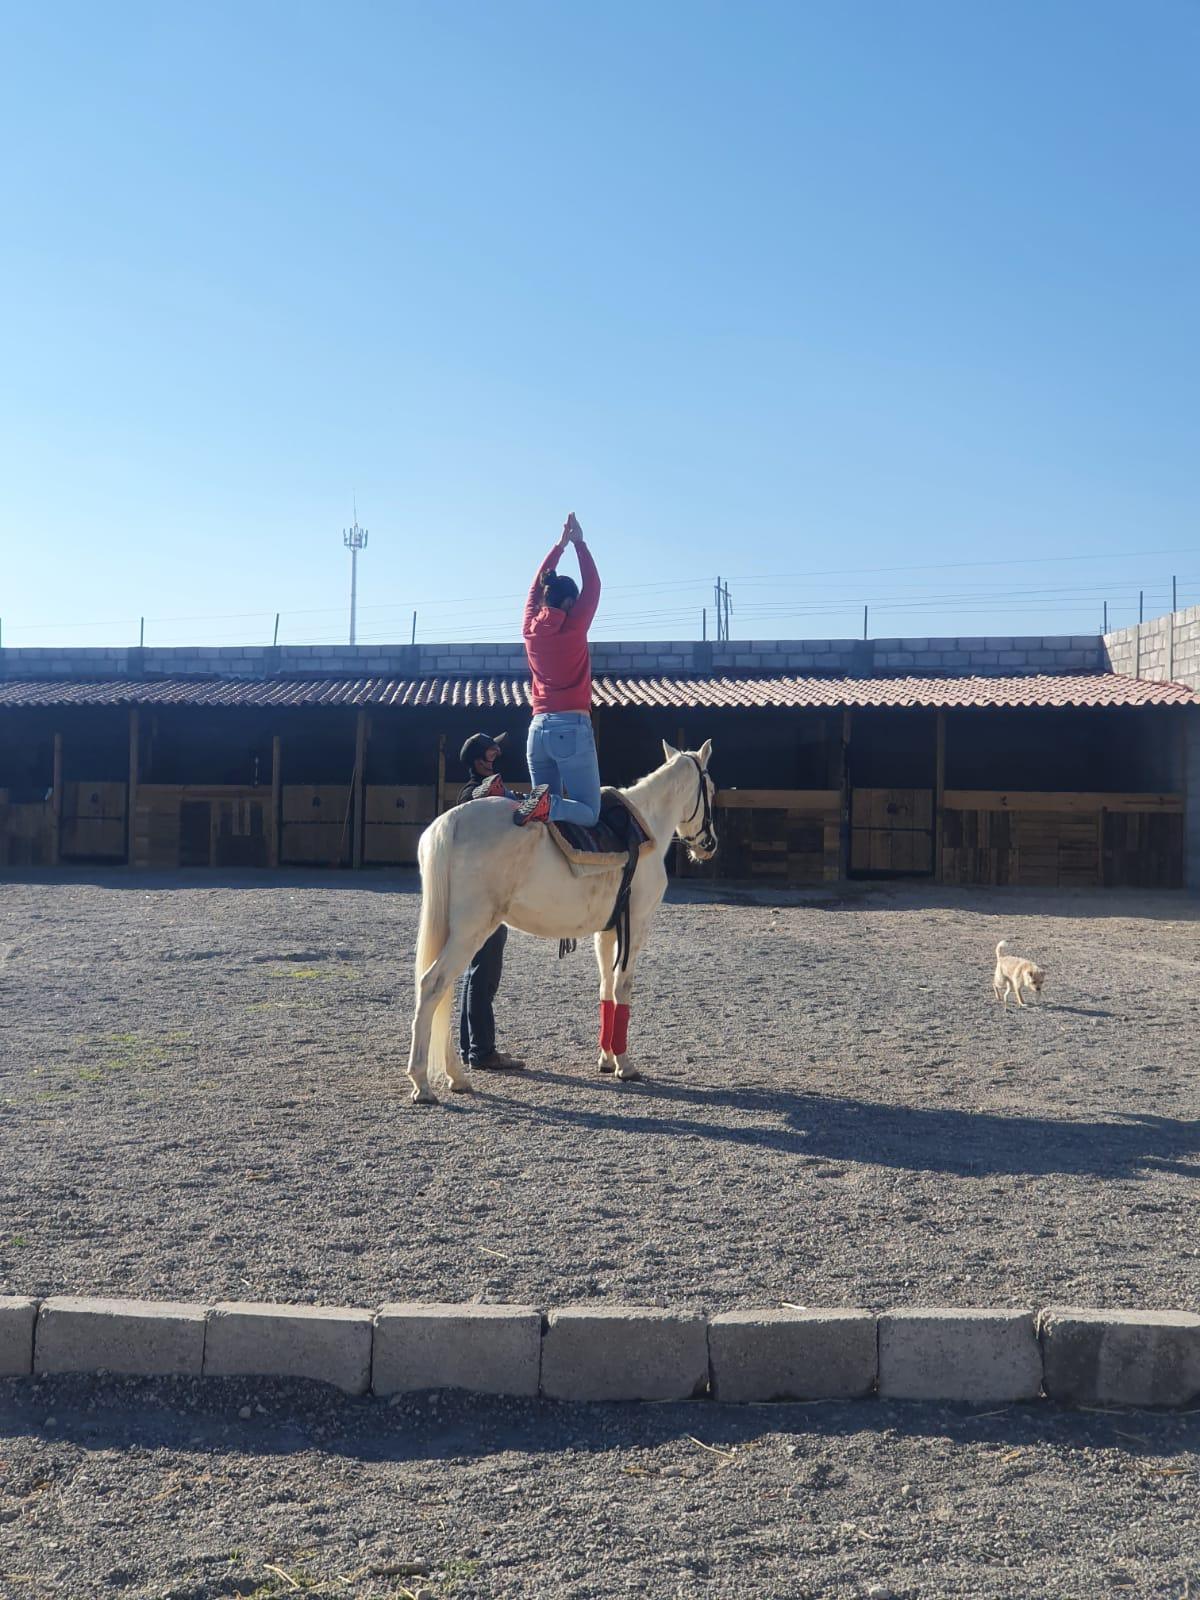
x,y
620,912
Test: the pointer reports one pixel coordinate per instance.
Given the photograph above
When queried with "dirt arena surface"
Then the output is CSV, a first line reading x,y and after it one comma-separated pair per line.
x,y
199,1490
203,1096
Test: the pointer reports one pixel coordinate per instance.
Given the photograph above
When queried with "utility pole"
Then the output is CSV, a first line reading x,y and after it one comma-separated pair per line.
x,y
355,539
724,606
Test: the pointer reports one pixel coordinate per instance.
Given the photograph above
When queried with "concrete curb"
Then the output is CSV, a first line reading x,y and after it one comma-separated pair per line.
x,y
1127,1358
138,1338
484,1349
1070,1355
329,1343
981,1357
624,1353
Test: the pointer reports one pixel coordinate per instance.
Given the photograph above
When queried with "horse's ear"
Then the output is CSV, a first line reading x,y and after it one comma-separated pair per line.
x,y
669,751
704,752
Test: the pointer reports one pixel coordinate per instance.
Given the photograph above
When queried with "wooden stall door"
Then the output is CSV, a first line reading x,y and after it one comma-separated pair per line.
x,y
891,831
1067,840
26,832
396,816
93,822
316,825
195,830
240,833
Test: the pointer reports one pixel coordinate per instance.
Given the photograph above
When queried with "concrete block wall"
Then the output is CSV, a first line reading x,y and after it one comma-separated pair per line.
x,y
1164,649
997,655
1191,796
1167,649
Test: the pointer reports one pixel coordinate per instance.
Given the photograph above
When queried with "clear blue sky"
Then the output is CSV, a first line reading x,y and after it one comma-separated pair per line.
x,y
766,290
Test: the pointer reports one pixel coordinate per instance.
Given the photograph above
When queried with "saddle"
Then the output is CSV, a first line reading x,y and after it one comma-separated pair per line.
x,y
617,843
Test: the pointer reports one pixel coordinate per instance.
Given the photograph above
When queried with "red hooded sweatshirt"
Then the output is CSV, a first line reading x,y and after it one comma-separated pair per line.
x,y
556,642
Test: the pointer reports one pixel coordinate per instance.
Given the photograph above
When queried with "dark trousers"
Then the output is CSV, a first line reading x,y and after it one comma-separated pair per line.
x,y
477,1021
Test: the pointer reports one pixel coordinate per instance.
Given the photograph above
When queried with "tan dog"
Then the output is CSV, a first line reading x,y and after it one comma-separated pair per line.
x,y
1015,973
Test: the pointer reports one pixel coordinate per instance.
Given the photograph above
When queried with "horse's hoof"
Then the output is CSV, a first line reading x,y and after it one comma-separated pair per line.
x,y
422,1097
606,1065
464,1086
630,1075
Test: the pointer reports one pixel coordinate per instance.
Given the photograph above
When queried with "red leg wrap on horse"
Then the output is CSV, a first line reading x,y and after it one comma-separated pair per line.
x,y
620,1033
608,1016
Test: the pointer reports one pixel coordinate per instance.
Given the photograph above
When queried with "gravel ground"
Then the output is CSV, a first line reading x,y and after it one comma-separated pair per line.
x,y
203,1096
162,1489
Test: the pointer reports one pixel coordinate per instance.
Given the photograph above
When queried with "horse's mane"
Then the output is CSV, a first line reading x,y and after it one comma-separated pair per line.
x,y
634,790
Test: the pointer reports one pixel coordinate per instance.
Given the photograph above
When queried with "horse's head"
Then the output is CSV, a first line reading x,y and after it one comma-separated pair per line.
x,y
695,826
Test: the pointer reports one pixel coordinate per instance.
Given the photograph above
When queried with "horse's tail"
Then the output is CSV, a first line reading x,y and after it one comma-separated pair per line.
x,y
433,855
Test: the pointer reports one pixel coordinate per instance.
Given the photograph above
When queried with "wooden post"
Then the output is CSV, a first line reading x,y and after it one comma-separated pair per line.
x,y
939,796
131,799
359,797
276,795
844,862
56,803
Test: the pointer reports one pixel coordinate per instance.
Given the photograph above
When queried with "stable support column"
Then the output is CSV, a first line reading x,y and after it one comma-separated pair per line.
x,y
938,797
56,803
844,787
131,800
358,793
276,796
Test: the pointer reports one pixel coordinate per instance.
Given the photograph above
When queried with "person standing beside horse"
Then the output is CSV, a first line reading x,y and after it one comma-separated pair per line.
x,y
562,747
481,757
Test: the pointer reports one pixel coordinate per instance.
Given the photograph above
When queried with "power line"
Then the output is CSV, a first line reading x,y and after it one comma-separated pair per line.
x,y
494,620
951,566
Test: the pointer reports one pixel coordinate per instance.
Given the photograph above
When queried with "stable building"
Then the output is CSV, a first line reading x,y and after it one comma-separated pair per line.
x,y
998,761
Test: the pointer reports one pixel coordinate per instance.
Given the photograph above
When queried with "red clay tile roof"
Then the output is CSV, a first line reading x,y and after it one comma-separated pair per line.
x,y
782,691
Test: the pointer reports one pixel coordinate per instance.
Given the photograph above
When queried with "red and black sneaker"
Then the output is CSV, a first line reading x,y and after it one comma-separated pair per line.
x,y
490,789
535,807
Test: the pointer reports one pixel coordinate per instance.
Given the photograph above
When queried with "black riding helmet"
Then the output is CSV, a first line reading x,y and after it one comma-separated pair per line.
x,y
477,747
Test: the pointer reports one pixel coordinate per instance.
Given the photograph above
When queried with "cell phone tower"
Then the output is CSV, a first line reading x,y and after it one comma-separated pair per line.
x,y
355,539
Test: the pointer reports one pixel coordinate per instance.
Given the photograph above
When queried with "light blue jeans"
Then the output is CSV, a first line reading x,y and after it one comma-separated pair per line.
x,y
562,754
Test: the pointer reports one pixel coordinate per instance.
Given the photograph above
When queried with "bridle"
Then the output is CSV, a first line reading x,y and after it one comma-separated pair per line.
x,y
704,836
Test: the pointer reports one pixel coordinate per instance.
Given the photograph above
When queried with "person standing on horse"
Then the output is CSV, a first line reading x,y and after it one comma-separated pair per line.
x,y
481,756
562,747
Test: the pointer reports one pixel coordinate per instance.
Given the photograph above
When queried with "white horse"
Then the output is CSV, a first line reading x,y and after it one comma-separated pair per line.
x,y
478,870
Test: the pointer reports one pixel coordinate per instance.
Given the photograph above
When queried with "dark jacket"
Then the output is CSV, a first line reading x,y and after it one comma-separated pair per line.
x,y
467,792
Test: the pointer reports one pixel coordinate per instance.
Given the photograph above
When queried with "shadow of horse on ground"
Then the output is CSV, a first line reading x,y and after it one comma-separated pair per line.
x,y
910,1138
